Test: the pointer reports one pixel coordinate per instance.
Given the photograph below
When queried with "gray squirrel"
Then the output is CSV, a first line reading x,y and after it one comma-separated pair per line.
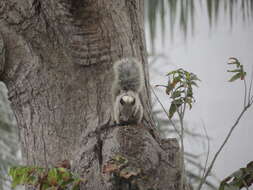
x,y
126,88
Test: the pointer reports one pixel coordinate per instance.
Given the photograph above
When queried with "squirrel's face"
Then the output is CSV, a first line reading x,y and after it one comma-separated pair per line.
x,y
127,100
127,108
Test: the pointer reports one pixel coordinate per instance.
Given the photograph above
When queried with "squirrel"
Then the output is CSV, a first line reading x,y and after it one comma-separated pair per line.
x,y
128,83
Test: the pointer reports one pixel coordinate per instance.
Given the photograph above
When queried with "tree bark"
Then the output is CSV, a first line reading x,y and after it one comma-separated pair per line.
x,y
56,59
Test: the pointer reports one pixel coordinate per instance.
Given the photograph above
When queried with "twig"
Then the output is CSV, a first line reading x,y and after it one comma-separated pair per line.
x,y
223,144
250,86
181,114
182,149
173,124
245,91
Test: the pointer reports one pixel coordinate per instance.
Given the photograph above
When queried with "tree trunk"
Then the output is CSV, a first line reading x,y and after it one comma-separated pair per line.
x,y
56,59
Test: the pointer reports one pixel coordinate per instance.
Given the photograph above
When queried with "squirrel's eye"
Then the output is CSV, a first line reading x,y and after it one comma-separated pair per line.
x,y
122,102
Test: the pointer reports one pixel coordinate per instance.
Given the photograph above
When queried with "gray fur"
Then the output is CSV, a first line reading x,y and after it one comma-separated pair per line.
x,y
128,81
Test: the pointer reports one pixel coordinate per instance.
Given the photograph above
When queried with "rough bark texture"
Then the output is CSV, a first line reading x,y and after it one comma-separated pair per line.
x,y
56,59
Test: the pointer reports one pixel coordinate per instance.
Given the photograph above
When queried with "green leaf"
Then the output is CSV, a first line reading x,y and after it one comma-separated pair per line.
x,y
189,93
231,187
234,71
53,172
194,77
172,110
19,175
76,185
189,102
171,73
239,179
32,180
66,176
174,106
169,88
235,77
194,84
53,177
16,181
176,94
45,186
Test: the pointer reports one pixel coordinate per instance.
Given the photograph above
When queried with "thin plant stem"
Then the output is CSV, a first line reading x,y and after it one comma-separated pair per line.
x,y
222,146
181,115
250,86
167,114
245,91
182,150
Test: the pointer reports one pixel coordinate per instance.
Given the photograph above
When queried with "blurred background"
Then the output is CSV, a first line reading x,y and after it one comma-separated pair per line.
x,y
198,36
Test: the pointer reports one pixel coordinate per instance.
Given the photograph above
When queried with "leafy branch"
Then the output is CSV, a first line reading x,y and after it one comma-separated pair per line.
x,y
55,178
248,101
180,91
242,178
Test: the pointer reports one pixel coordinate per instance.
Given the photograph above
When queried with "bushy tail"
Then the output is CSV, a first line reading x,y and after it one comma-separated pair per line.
x,y
129,75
